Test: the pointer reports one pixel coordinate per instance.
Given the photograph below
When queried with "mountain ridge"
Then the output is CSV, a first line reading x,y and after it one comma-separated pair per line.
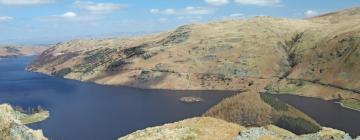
x,y
200,61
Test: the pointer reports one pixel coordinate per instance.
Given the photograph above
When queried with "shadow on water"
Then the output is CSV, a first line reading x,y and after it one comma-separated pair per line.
x,y
89,111
327,113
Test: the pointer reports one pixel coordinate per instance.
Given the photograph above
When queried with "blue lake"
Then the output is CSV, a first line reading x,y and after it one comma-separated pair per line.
x,y
326,113
81,110
88,111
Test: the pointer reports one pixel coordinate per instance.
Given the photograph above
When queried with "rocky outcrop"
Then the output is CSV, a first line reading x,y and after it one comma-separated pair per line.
x,y
12,124
275,133
206,128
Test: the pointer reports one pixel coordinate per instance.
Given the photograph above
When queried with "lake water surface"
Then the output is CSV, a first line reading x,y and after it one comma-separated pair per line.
x,y
88,111
80,111
327,113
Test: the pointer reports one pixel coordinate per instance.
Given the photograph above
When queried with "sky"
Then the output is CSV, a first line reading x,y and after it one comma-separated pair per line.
x,y
52,21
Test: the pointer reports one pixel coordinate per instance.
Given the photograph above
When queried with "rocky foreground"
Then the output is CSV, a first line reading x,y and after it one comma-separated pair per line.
x,y
13,51
206,128
12,124
196,128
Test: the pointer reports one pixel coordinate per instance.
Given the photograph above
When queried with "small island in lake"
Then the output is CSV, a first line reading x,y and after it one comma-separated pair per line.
x,y
191,99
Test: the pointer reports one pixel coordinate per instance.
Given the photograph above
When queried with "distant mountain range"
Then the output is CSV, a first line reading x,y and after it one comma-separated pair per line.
x,y
13,51
54,40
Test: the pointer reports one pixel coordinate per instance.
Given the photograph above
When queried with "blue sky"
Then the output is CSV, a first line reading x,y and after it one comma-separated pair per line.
x,y
51,21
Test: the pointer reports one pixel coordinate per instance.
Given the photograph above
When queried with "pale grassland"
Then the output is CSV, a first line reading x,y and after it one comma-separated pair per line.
x,y
351,103
33,118
201,128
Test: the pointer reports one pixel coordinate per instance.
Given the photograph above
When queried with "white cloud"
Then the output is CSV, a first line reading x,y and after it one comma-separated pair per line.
x,y
69,15
236,15
154,11
217,2
89,11
259,2
72,16
168,11
25,2
311,13
198,10
5,18
162,20
185,11
98,7
66,15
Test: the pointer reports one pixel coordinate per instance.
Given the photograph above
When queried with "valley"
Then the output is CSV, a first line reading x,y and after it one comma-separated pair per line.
x,y
312,57
263,77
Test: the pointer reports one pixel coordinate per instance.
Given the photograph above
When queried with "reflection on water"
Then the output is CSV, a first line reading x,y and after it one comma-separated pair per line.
x,y
88,111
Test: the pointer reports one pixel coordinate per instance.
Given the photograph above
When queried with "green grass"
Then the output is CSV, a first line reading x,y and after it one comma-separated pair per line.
x,y
292,87
298,126
289,89
274,102
351,103
37,117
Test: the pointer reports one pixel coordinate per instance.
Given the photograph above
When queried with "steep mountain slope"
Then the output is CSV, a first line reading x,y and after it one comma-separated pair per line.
x,y
330,54
9,51
233,54
219,55
325,60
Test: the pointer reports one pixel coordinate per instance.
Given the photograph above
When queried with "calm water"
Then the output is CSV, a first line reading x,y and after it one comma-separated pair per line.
x,y
88,111
327,113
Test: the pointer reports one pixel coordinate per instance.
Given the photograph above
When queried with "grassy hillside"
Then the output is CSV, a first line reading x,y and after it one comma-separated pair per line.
x,y
326,59
253,109
218,55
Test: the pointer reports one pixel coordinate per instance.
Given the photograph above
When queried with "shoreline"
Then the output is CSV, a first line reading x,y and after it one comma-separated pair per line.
x,y
337,102
189,89
344,106
233,91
